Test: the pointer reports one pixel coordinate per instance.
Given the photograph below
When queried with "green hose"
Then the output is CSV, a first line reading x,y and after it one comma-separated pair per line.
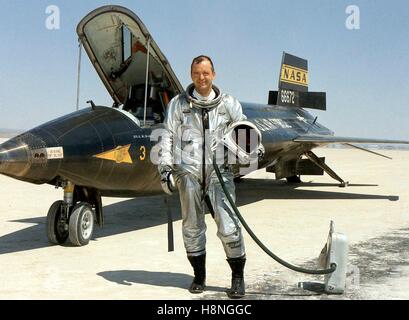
x,y
260,244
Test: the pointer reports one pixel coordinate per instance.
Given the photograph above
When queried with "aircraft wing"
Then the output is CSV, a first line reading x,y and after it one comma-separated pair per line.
x,y
326,139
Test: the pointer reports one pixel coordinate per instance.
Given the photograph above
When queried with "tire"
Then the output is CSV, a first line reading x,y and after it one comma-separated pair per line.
x,y
81,224
56,233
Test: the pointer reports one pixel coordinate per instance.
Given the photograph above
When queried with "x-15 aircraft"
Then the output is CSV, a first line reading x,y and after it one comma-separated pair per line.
x,y
105,151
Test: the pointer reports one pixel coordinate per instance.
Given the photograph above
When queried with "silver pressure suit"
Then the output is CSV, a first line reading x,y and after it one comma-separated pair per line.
x,y
192,129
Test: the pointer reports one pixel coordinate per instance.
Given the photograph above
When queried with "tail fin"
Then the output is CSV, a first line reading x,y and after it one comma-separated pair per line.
x,y
293,86
293,73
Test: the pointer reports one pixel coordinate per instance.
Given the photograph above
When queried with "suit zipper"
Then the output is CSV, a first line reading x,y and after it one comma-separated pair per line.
x,y
205,121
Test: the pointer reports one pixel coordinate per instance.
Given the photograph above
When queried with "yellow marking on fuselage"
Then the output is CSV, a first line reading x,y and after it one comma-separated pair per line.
x,y
120,154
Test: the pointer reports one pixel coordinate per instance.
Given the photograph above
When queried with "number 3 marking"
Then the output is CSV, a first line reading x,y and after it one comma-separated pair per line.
x,y
143,155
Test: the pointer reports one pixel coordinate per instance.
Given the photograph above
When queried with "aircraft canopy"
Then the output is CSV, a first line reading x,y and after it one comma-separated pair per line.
x,y
117,43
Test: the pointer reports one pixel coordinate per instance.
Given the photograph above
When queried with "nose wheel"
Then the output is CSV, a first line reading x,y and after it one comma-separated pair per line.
x,y
57,231
78,227
81,224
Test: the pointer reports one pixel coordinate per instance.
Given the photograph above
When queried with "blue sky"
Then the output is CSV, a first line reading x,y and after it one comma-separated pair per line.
x,y
365,72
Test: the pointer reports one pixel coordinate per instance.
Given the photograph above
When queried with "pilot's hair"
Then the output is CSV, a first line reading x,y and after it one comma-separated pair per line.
x,y
200,59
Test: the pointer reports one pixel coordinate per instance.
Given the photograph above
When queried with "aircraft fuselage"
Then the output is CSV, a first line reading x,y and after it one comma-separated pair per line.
x,y
105,148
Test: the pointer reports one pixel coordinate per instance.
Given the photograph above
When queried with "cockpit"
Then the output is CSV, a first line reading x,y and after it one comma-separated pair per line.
x,y
156,102
130,64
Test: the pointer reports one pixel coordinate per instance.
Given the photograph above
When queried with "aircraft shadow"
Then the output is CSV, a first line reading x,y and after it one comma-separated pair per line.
x,y
140,213
252,190
316,184
160,279
120,217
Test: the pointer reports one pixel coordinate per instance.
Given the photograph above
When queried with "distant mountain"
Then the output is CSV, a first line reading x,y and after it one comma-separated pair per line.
x,y
9,133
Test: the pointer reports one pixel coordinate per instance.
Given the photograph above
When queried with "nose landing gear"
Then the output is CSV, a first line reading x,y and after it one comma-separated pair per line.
x,y
69,219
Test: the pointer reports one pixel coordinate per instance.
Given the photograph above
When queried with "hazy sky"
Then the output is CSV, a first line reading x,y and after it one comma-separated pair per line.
x,y
364,71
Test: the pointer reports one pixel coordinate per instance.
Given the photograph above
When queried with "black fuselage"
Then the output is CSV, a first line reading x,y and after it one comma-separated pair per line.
x,y
86,134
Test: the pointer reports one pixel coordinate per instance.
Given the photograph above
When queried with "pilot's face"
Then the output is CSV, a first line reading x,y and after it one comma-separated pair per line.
x,y
202,77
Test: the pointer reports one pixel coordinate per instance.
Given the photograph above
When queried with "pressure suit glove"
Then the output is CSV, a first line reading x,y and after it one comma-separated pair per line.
x,y
166,180
261,152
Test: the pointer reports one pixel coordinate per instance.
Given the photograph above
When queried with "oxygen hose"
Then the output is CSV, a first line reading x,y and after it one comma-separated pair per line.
x,y
260,244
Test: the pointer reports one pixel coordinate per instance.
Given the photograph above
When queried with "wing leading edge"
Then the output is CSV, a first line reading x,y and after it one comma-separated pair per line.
x,y
324,139
319,140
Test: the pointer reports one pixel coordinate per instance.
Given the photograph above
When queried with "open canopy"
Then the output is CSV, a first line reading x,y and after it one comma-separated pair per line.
x,y
118,43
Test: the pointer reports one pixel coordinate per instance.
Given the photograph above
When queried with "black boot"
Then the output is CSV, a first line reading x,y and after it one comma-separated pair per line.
x,y
237,289
199,267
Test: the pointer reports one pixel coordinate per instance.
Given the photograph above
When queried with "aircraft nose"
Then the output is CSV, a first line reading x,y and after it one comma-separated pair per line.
x,y
14,158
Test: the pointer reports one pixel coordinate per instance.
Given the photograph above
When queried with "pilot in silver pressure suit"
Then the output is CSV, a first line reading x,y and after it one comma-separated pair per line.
x,y
193,122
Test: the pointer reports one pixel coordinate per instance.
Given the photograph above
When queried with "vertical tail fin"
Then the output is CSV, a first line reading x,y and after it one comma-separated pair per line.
x,y
293,86
293,73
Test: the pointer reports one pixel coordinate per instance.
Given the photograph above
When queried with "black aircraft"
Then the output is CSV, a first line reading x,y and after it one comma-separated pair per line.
x,y
105,151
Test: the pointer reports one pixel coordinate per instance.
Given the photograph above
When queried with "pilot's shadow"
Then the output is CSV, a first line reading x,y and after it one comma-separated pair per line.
x,y
160,279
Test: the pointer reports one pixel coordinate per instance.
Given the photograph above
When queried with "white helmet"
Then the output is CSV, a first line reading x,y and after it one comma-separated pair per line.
x,y
243,139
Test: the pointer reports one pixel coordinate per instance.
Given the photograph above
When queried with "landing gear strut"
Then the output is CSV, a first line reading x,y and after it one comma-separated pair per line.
x,y
310,155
